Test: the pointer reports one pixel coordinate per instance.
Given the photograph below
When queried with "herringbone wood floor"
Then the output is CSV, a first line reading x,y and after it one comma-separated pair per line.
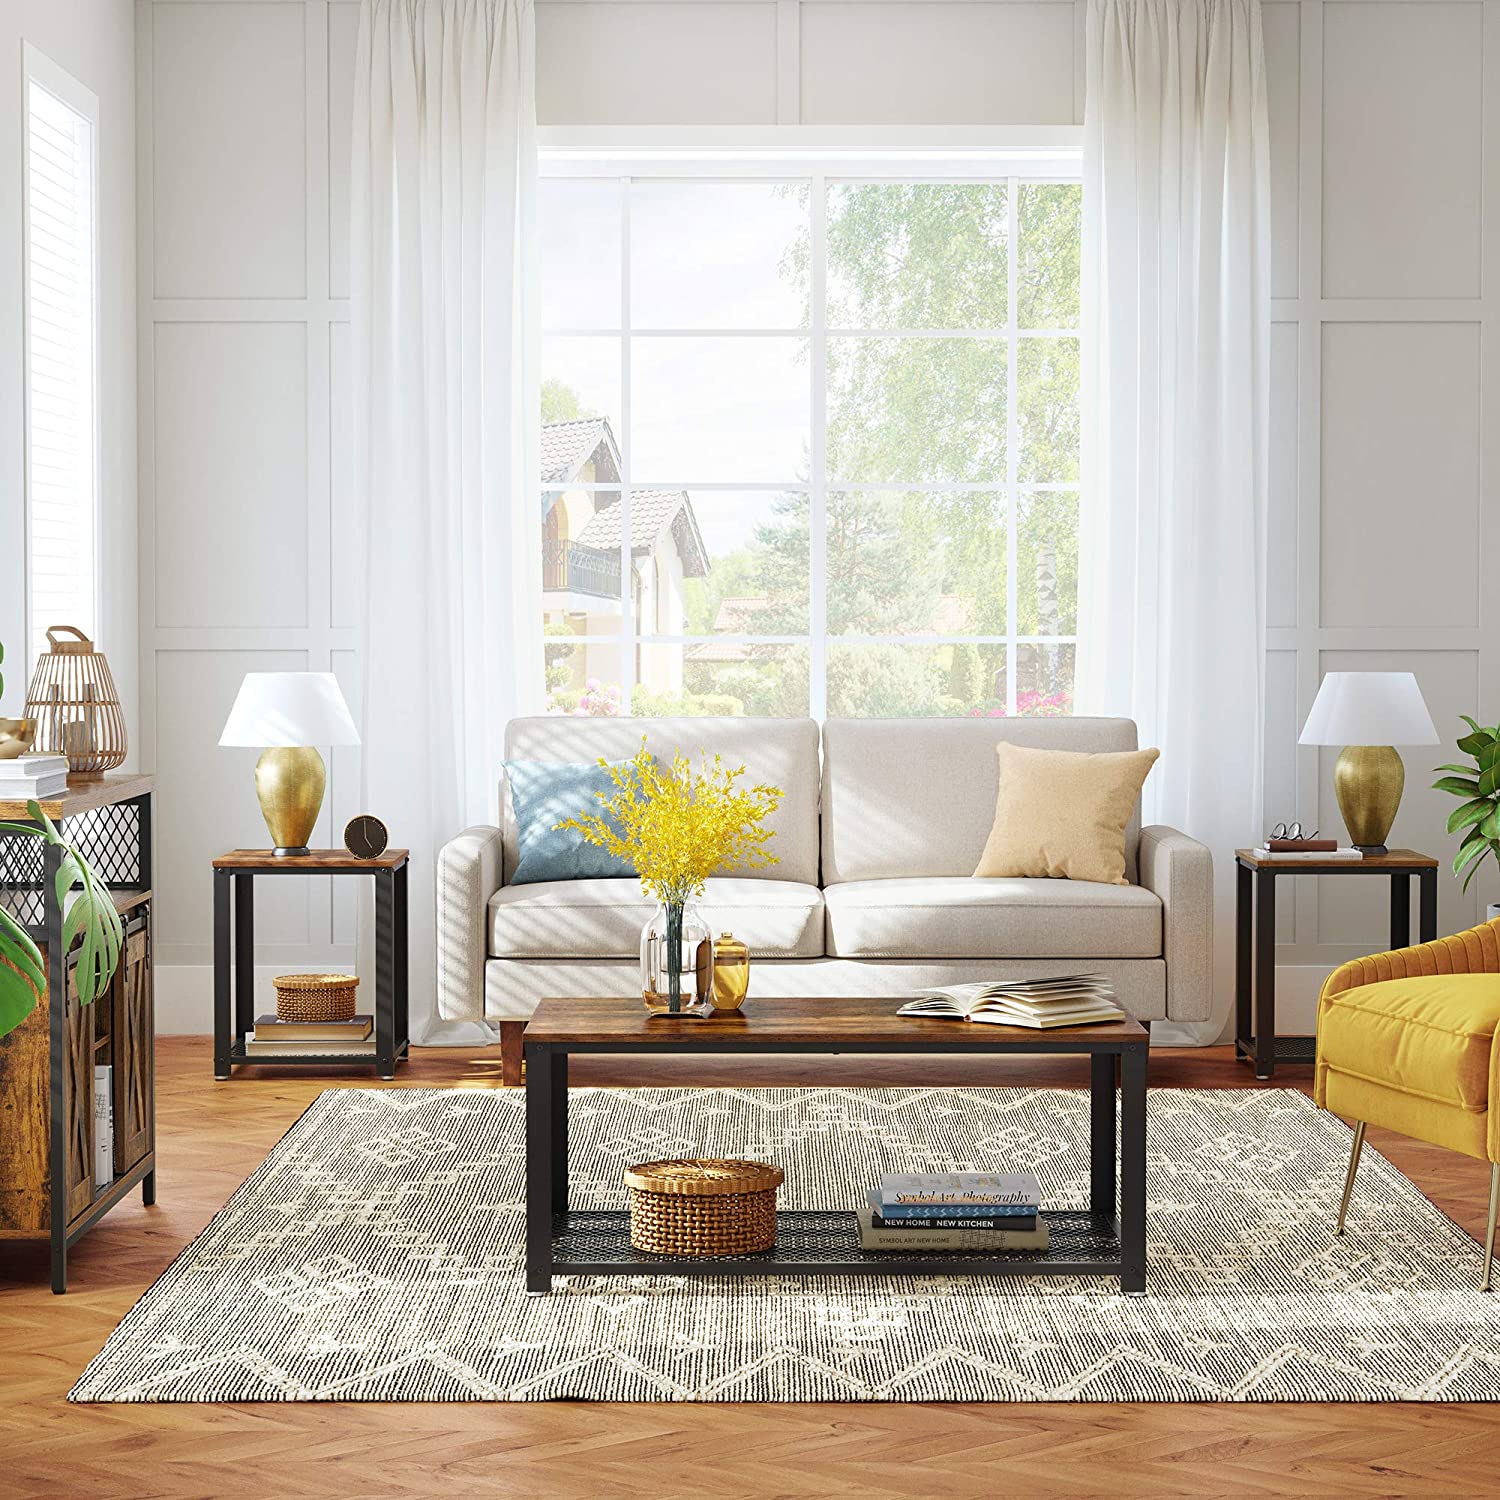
x,y
211,1135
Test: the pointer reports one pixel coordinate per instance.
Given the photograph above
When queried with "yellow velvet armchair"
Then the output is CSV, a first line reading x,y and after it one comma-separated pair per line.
x,y
1407,1041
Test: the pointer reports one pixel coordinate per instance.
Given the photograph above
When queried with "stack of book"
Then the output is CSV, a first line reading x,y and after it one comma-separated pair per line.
x,y
1065,1000
272,1037
930,1213
33,777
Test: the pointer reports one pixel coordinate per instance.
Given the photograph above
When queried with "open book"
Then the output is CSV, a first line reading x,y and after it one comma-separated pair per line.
x,y
1067,1000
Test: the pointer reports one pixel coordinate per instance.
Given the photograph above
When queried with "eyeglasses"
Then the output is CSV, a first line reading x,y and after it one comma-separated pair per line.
x,y
1292,831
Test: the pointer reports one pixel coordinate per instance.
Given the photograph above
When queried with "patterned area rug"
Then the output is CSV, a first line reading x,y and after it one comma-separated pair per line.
x,y
376,1255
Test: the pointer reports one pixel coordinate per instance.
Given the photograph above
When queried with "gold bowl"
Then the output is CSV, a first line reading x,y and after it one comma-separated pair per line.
x,y
16,736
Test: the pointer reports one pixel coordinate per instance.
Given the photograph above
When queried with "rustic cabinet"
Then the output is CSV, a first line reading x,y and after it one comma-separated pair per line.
x,y
53,1184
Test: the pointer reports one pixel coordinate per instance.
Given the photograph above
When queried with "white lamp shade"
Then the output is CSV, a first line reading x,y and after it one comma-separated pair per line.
x,y
289,708
1369,708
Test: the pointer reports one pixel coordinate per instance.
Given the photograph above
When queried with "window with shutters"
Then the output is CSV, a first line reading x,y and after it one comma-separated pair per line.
x,y
61,356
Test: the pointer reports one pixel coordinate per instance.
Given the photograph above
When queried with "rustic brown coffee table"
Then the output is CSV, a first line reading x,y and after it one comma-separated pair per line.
x,y
1101,1240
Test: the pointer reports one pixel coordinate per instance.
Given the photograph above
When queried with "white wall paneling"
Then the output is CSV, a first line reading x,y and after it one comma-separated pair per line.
x,y
942,62
1390,412
1402,125
243,157
1385,408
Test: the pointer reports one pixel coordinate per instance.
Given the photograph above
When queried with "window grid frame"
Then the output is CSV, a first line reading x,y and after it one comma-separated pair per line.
x,y
631,641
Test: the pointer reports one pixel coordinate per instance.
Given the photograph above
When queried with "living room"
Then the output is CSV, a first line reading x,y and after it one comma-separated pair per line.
x,y
589,584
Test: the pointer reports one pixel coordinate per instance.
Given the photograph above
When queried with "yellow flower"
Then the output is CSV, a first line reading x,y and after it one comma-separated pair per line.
x,y
678,825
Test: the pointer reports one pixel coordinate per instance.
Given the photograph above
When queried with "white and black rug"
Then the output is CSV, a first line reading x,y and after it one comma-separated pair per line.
x,y
376,1255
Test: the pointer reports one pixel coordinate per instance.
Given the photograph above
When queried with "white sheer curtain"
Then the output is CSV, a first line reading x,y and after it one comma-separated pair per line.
x,y
1176,277
445,393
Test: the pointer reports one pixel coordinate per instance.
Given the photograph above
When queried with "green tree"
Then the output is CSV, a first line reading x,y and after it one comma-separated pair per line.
x,y
561,403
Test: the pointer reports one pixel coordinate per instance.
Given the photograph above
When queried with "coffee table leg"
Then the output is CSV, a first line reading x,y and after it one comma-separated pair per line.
x,y
1102,1133
559,1132
539,1169
1133,1172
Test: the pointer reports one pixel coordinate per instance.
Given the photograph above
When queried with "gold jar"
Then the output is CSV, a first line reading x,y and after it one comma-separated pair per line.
x,y
731,972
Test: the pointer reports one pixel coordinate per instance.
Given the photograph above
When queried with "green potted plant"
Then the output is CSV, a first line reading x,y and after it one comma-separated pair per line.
x,y
89,918
1478,817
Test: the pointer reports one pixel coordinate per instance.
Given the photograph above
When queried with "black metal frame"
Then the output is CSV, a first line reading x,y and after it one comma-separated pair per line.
x,y
234,898
1099,1241
120,867
1255,1039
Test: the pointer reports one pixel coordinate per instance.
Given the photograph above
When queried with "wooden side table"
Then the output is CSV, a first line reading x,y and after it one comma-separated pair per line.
x,y
234,894
1255,939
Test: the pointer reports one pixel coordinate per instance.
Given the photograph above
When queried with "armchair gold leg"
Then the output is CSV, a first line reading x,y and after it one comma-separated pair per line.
x,y
1489,1236
1359,1140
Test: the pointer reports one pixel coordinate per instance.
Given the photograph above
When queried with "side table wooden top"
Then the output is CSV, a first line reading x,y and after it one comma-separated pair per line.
x,y
314,862
1392,861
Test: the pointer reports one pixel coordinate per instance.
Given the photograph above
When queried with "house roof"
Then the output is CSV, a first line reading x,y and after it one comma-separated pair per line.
x,y
653,513
568,446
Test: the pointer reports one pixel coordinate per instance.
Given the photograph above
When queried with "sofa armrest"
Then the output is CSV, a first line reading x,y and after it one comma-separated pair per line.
x,y
1180,871
469,872
1476,951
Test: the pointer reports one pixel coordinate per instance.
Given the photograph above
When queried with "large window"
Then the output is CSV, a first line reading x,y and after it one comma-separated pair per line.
x,y
810,443
62,485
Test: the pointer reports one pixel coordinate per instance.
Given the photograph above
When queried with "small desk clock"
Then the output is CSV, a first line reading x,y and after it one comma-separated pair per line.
x,y
365,837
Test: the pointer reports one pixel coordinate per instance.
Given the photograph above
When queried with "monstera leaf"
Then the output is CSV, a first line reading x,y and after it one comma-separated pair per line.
x,y
89,918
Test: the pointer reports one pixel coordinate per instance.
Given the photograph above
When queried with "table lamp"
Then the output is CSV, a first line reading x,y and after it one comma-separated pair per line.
x,y
1368,713
287,714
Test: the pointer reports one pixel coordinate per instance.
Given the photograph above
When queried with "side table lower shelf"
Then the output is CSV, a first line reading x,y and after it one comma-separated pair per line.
x,y
239,1058
1284,1049
825,1242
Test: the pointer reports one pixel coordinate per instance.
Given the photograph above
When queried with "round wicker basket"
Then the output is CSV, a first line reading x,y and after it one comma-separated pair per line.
x,y
702,1208
315,997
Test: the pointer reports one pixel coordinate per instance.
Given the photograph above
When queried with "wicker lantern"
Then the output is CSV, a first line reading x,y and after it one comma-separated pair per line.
x,y
73,700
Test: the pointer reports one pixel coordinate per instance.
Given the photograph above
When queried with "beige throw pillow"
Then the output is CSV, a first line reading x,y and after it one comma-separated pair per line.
x,y
1062,813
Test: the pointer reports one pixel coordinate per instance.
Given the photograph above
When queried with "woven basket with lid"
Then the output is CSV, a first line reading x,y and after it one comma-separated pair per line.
x,y
315,997
703,1207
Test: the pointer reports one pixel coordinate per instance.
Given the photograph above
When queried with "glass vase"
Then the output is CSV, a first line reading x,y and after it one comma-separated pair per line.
x,y
677,962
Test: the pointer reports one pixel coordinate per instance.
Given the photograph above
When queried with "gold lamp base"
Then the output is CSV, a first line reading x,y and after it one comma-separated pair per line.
x,y
289,780
1368,781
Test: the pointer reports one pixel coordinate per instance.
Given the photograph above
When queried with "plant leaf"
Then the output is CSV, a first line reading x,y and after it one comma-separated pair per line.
x,y
18,950
1462,770
1472,723
1471,849
1458,785
1489,781
1490,827
1474,868
1470,812
1472,744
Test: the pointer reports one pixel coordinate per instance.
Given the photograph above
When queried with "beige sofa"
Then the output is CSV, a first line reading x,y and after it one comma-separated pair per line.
x,y
881,823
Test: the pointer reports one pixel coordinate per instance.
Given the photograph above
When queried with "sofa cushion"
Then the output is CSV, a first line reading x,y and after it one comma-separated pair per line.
x,y
1429,1036
914,797
1061,814
782,752
965,917
603,918
544,794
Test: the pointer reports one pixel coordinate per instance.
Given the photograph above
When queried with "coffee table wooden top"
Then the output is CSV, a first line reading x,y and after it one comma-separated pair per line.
x,y
562,1021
